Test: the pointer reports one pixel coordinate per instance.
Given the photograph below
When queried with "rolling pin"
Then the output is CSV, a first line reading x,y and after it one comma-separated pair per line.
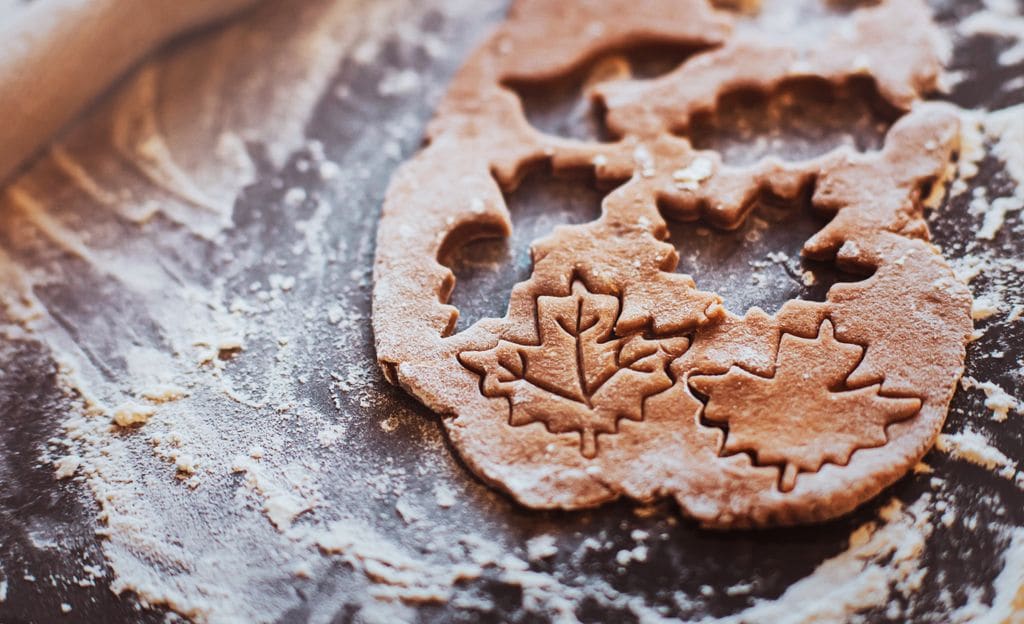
x,y
57,56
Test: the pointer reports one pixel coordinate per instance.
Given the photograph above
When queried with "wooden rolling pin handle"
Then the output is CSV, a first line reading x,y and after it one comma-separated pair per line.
x,y
56,56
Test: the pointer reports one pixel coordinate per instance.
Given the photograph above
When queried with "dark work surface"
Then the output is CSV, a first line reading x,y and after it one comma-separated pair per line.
x,y
957,559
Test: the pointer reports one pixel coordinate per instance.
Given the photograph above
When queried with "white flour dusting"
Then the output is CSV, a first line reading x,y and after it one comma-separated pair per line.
x,y
1007,607
226,416
883,556
996,399
973,447
1002,19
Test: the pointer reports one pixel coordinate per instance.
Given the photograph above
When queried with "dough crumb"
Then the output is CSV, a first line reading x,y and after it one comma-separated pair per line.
x,y
689,179
129,414
185,464
444,496
67,466
984,307
282,508
541,547
164,393
409,513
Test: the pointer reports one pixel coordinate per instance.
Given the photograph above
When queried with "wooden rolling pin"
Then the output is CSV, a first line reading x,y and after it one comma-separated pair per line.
x,y
56,56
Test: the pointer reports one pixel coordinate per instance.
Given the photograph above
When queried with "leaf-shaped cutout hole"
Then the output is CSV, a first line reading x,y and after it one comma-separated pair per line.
x,y
486,269
801,119
562,106
759,263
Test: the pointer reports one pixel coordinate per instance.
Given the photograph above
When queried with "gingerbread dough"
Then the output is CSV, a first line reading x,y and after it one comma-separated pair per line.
x,y
611,375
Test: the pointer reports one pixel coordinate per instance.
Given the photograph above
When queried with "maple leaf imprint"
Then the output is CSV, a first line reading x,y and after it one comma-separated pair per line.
x,y
581,376
804,415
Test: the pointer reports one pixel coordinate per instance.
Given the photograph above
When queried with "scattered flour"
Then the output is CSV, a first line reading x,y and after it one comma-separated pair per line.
x,y
444,495
882,555
1005,129
973,447
637,553
1007,604
996,399
1002,19
396,574
995,215
264,445
330,435
281,503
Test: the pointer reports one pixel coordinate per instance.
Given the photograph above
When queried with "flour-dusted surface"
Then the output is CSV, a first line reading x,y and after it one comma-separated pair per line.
x,y
192,416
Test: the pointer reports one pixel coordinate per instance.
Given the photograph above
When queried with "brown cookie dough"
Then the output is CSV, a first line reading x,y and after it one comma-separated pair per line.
x,y
611,375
